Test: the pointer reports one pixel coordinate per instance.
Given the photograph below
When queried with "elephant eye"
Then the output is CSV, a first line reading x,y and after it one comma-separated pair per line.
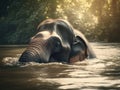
x,y
57,46
75,41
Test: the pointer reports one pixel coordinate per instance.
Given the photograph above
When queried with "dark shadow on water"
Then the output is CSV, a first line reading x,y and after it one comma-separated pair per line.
x,y
25,77
16,85
112,71
113,87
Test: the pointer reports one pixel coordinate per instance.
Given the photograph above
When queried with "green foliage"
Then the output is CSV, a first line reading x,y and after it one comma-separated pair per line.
x,y
98,20
25,15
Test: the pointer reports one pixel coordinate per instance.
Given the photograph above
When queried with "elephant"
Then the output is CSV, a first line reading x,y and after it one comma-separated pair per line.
x,y
57,41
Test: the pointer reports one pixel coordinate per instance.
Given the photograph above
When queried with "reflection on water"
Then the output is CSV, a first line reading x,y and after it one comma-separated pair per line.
x,y
96,74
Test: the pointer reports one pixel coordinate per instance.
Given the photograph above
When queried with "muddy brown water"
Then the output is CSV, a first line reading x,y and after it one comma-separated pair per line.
x,y
102,73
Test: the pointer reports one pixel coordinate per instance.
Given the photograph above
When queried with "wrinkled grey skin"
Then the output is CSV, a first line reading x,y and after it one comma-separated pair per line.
x,y
56,41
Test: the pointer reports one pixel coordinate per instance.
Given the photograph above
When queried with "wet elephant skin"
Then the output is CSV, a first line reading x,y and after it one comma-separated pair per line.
x,y
57,41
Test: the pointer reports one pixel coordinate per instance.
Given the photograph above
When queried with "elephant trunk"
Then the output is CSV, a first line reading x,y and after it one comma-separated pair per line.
x,y
37,52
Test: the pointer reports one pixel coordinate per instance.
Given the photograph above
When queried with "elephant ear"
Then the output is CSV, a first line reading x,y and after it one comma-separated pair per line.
x,y
78,50
78,46
87,47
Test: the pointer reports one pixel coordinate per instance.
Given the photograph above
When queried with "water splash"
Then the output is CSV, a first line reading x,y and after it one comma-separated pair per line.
x,y
10,61
14,61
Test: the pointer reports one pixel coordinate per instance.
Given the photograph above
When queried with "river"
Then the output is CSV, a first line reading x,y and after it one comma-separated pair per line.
x,y
102,73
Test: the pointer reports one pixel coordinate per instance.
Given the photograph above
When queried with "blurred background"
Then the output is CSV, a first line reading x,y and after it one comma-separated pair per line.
x,y
99,20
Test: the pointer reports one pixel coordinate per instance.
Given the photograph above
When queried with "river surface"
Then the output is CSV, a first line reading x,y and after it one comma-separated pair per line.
x,y
102,73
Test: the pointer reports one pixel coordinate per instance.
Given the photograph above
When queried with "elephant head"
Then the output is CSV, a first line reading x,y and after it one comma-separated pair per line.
x,y
56,41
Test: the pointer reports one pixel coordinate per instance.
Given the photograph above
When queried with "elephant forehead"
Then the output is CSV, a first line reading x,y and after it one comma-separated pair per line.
x,y
45,34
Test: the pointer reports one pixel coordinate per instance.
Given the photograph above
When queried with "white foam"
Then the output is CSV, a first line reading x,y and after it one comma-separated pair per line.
x,y
10,61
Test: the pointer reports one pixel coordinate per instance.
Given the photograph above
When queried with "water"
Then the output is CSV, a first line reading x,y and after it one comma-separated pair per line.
x,y
102,73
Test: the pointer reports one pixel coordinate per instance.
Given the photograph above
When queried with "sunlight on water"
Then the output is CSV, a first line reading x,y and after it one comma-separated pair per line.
x,y
71,83
91,74
83,76
105,51
80,75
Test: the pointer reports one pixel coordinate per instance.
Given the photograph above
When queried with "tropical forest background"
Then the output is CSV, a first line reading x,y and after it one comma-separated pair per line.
x,y
99,20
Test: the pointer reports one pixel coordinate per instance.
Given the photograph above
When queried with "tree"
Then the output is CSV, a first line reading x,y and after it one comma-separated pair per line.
x,y
108,12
